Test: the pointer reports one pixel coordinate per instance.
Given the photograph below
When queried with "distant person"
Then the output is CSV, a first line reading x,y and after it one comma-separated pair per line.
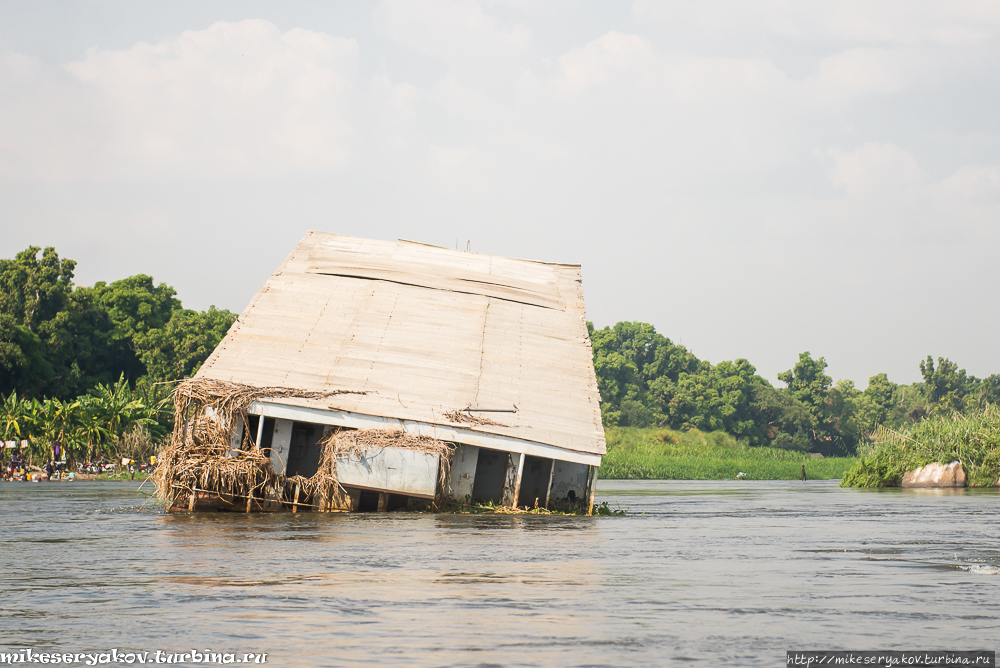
x,y
131,468
48,470
803,471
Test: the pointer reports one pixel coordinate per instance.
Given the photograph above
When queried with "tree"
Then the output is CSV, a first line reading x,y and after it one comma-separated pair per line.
x,y
12,418
808,383
881,393
135,306
782,419
629,359
34,290
945,379
991,389
23,365
711,398
178,349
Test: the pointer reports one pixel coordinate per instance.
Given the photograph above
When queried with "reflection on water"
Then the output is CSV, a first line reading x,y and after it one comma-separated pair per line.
x,y
703,571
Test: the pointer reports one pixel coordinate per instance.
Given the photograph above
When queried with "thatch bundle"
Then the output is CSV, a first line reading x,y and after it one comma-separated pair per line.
x,y
468,418
198,459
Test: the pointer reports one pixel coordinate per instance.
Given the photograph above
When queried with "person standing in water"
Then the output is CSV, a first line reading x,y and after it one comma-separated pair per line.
x,y
803,471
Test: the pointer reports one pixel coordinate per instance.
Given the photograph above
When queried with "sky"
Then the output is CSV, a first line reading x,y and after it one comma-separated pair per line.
x,y
754,178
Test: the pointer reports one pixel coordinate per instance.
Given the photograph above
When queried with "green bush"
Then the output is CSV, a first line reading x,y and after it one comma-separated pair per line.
x,y
972,439
665,454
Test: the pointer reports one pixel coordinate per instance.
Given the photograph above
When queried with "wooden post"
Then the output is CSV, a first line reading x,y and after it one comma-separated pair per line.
x,y
260,430
383,501
249,500
191,500
517,480
548,490
295,501
591,489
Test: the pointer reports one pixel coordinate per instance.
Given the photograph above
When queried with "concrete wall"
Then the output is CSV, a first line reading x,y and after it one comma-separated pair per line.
x,y
236,439
569,476
463,472
280,440
394,470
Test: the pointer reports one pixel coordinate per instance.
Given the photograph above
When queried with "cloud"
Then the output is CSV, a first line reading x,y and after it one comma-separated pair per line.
x,y
459,32
235,99
709,163
610,54
875,169
826,25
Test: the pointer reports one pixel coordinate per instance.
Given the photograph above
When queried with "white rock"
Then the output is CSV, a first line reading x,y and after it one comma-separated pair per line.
x,y
936,475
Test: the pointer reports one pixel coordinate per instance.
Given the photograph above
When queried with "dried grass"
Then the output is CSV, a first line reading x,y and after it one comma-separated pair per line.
x,y
468,418
345,443
198,455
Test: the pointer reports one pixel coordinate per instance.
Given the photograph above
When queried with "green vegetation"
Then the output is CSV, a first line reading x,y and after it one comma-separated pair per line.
x,y
665,454
60,341
646,380
111,422
64,347
972,438
85,371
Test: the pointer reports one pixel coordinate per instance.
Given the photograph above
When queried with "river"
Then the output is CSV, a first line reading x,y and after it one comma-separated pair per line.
x,y
700,572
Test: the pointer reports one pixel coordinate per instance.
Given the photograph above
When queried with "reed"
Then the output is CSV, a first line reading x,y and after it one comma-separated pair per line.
x,y
971,438
665,454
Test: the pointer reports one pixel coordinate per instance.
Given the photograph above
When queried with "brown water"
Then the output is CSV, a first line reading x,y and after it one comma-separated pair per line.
x,y
723,573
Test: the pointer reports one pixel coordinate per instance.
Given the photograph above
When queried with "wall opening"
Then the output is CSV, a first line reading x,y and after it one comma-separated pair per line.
x,y
253,421
397,502
368,502
304,449
534,481
491,471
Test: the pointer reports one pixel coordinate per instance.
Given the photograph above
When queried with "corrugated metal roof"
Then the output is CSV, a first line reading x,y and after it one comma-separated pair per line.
x,y
424,331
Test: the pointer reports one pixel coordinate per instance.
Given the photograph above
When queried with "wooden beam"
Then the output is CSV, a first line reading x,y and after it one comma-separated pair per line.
x,y
591,489
517,480
552,475
260,431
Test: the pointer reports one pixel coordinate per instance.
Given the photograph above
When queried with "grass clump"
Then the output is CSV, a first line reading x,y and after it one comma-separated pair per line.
x,y
972,438
665,454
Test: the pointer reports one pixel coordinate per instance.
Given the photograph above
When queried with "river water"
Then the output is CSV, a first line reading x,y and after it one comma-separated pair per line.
x,y
704,573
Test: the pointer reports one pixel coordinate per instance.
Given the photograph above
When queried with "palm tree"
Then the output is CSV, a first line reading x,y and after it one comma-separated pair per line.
x,y
117,410
11,416
90,430
11,419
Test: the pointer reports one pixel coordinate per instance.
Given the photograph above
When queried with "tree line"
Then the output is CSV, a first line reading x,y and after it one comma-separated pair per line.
x,y
646,380
85,368
108,423
65,349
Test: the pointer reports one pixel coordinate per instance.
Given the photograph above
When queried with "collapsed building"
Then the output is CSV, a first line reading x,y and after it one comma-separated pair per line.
x,y
369,375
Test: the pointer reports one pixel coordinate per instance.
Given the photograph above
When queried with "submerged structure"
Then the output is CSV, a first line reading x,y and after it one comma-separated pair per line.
x,y
372,375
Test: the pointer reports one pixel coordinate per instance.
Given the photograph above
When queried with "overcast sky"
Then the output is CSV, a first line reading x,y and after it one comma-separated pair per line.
x,y
756,179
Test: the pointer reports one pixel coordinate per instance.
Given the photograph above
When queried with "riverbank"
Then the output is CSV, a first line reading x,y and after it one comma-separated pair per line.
x,y
664,454
91,477
972,439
